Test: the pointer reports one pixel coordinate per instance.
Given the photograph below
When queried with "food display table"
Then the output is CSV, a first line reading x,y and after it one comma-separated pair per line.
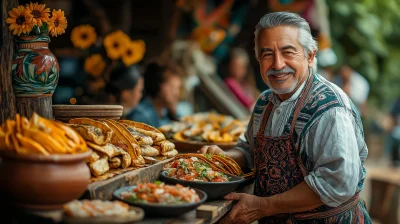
x,y
208,212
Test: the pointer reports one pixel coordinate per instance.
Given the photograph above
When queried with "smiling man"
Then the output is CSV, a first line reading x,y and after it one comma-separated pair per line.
x,y
304,140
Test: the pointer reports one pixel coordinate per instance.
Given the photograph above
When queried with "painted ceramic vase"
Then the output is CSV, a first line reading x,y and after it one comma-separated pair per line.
x,y
35,69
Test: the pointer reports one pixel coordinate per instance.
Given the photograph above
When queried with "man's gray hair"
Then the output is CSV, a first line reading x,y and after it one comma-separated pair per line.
x,y
305,38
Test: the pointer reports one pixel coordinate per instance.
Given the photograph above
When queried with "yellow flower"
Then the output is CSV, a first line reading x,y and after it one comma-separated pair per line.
x,y
39,13
94,65
20,20
134,52
57,23
83,36
115,44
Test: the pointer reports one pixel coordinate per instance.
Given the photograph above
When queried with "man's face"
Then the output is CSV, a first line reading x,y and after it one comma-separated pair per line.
x,y
283,65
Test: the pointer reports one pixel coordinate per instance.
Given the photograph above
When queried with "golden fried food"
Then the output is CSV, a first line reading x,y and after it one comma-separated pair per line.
x,y
122,138
39,135
145,129
171,153
92,130
206,127
114,162
140,138
147,150
99,167
108,149
165,146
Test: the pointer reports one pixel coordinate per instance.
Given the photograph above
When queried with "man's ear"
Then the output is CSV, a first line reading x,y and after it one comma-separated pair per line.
x,y
311,58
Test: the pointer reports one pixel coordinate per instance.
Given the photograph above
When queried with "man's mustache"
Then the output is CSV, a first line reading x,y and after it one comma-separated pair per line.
x,y
286,69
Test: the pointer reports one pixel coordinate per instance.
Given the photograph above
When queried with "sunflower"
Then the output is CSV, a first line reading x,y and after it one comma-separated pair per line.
x,y
83,36
20,20
134,52
39,13
115,44
57,23
95,65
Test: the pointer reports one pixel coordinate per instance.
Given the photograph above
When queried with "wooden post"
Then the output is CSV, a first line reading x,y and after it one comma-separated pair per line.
x,y
7,97
41,105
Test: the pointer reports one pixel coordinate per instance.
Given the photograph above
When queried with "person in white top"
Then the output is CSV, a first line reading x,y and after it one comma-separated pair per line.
x,y
355,86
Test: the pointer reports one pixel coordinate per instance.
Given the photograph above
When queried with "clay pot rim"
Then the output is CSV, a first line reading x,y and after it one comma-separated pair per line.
x,y
53,158
86,107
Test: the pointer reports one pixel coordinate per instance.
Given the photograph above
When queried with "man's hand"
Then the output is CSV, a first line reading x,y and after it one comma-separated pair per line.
x,y
211,149
248,209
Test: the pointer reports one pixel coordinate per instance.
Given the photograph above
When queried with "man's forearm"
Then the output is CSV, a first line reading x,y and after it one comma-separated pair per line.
x,y
238,156
301,198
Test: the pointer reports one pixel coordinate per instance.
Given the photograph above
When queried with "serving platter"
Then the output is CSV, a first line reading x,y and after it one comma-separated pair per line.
x,y
159,210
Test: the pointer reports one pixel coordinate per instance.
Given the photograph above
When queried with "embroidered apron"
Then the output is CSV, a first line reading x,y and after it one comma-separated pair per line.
x,y
279,168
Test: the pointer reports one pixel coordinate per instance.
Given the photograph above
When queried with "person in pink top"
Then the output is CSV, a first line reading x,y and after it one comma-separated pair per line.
x,y
239,78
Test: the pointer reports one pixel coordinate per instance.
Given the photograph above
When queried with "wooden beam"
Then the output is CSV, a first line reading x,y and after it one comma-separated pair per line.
x,y
7,97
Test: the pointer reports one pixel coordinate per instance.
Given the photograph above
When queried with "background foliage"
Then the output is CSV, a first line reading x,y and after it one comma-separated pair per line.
x,y
366,35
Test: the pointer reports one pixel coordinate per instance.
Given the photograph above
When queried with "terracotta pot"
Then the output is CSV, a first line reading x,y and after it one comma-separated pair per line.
x,y
35,69
43,182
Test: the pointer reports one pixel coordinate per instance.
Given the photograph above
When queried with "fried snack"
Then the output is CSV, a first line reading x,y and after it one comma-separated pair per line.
x,y
126,158
114,162
147,150
99,167
171,153
219,163
93,157
91,130
228,164
145,129
165,146
179,136
108,149
31,144
140,138
122,138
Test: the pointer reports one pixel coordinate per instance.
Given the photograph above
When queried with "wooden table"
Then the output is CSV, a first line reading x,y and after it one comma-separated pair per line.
x,y
13,215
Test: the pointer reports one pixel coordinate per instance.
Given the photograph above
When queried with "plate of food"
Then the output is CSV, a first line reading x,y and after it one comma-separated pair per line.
x,y
161,200
193,132
214,174
97,211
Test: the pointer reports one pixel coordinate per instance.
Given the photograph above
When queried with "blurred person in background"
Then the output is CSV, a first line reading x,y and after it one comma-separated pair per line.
x,y
326,61
125,88
239,78
162,85
355,86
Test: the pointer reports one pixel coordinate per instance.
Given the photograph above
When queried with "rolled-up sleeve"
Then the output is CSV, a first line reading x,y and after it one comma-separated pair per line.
x,y
331,144
246,143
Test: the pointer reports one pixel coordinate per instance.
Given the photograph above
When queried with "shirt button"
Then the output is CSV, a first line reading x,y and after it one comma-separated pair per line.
x,y
278,111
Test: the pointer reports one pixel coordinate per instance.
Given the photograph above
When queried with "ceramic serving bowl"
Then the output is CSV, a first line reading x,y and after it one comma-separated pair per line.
x,y
159,210
214,190
42,182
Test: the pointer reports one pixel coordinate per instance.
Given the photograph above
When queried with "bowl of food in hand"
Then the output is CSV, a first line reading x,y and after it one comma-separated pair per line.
x,y
42,163
98,211
216,175
161,200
